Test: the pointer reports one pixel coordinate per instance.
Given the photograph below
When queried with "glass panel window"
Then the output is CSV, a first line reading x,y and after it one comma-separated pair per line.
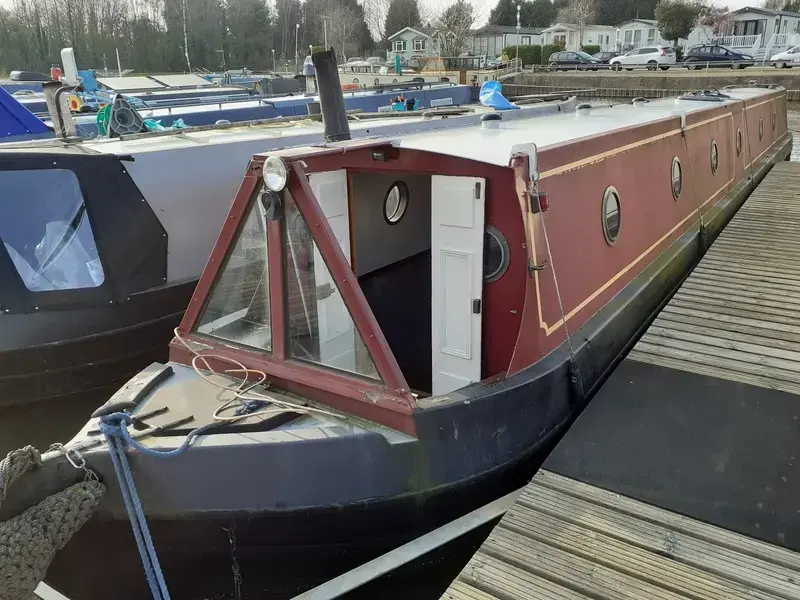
x,y
419,45
238,308
400,46
44,227
319,326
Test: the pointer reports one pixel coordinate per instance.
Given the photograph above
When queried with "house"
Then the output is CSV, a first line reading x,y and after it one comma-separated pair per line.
x,y
568,34
412,42
764,22
637,33
491,39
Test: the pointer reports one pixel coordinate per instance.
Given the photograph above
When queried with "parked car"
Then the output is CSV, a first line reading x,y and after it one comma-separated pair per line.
x,y
572,60
715,55
652,57
786,59
604,57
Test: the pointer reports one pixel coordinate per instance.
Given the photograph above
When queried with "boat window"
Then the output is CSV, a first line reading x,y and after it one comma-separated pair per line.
x,y
395,203
677,178
611,215
760,128
238,308
45,228
738,142
495,254
714,157
319,326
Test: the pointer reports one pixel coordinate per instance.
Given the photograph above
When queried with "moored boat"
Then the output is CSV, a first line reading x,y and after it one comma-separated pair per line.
x,y
103,242
414,319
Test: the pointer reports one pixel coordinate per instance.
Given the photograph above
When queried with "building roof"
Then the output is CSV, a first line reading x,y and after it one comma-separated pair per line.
x,y
586,27
499,29
423,31
765,11
648,22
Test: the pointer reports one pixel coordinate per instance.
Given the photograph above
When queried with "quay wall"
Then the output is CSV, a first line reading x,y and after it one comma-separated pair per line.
x,y
646,84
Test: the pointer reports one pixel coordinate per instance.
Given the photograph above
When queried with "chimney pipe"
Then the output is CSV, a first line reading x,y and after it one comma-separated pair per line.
x,y
331,99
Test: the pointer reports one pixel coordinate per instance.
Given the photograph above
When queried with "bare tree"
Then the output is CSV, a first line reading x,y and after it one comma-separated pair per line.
x,y
715,18
343,25
375,12
579,13
453,28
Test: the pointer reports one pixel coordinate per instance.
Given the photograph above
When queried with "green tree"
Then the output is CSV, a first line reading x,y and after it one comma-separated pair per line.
x,y
535,13
676,18
401,14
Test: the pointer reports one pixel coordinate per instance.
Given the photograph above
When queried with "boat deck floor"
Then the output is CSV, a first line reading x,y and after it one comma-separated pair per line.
x,y
680,479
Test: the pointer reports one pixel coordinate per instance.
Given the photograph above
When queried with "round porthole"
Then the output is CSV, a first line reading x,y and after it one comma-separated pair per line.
x,y
394,80
774,120
677,178
760,128
495,254
738,142
395,203
714,158
611,215
377,81
355,79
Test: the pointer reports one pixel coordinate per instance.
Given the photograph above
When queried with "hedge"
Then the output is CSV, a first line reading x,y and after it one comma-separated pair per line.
x,y
591,48
530,55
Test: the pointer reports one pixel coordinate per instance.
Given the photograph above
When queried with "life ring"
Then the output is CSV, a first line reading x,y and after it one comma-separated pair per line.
x,y
75,103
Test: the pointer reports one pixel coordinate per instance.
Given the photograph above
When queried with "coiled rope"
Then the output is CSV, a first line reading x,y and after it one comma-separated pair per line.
x,y
29,541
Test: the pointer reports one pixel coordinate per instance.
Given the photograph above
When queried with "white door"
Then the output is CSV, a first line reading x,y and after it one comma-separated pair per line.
x,y
336,329
457,205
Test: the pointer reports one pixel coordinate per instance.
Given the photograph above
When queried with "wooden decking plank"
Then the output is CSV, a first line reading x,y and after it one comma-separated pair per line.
x,y
662,570
461,590
747,570
677,522
501,578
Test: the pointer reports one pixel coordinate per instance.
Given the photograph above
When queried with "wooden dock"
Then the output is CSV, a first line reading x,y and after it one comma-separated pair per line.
x,y
566,540
687,454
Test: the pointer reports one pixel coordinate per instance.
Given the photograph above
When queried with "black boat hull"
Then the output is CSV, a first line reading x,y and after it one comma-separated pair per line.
x,y
76,359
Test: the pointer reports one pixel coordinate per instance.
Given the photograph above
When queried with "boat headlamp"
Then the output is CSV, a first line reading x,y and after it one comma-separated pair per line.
x,y
275,173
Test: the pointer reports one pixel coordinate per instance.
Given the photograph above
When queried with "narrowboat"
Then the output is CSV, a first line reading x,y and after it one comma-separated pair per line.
x,y
391,331
102,242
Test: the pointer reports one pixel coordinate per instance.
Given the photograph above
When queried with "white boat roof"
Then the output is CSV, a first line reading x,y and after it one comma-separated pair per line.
x,y
182,80
495,144
130,83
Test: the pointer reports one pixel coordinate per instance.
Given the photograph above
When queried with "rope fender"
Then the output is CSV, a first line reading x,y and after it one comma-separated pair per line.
x,y
29,541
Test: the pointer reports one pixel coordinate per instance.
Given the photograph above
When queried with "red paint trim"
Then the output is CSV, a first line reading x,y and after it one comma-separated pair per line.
x,y
350,394
276,296
346,280
227,235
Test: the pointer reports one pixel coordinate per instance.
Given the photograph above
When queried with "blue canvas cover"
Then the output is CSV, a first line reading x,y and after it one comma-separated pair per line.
x,y
492,96
16,120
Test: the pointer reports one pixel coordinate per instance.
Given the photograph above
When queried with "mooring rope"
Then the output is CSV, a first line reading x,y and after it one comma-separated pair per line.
x,y
29,541
575,373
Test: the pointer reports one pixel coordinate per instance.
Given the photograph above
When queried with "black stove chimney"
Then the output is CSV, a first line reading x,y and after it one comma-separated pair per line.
x,y
331,100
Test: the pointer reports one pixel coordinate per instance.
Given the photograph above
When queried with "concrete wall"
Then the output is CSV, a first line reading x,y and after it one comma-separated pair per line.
x,y
378,243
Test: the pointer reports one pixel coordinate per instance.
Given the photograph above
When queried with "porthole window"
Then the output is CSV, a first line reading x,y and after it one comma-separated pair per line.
x,y
760,128
774,120
738,142
395,203
355,79
394,80
377,81
495,255
611,215
714,157
677,178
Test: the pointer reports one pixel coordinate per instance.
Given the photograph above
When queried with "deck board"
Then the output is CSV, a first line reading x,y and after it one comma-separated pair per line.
x,y
735,316
734,321
568,540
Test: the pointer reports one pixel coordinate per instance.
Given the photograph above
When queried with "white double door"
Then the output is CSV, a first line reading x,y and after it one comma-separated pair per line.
x,y
457,231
